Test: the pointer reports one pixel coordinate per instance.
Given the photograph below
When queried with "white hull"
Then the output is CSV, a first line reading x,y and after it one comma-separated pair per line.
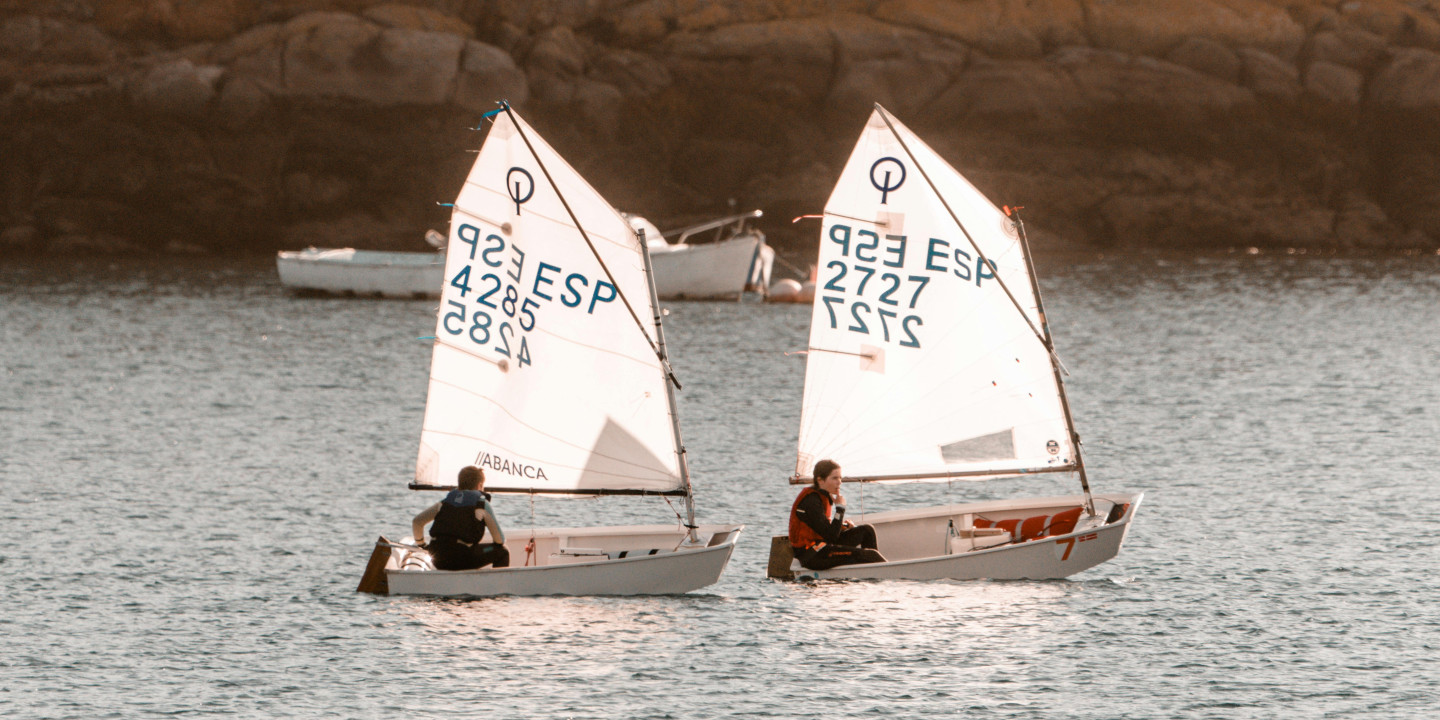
x,y
712,271
916,542
579,561
345,271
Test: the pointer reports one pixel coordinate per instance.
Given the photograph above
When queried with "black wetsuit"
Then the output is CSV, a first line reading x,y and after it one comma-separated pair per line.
x,y
842,547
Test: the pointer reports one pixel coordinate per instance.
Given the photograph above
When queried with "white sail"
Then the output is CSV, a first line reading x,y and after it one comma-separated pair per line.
x,y
541,375
920,365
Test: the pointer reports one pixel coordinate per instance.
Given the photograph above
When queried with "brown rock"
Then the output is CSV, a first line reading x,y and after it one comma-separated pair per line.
x,y
902,69
254,40
1361,223
258,56
985,25
1109,79
1335,84
1411,81
487,75
786,61
176,88
21,37
1352,48
635,74
410,17
1207,56
1179,219
1040,93
1404,23
31,38
1151,28
22,237
342,56
599,107
241,100
554,66
1269,76
208,20
557,51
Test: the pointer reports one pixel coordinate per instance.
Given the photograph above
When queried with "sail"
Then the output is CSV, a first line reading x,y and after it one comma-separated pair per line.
x,y
541,375
920,366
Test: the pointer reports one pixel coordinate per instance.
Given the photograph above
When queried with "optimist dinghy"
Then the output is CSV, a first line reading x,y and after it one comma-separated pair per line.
x,y
550,373
930,361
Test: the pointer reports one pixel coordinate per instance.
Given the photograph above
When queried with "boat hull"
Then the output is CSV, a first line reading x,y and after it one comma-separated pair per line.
x,y
712,271
345,271
903,536
672,570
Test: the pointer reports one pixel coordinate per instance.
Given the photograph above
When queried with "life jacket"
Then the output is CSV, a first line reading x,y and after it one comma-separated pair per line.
x,y
802,537
456,519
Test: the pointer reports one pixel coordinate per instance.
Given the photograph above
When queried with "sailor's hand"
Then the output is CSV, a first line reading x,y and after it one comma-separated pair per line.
x,y
847,524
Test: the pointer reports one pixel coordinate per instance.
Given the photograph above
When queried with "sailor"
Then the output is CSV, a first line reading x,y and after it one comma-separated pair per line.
x,y
820,535
460,522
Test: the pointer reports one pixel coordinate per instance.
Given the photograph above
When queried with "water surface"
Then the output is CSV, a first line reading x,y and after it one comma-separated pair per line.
x,y
194,466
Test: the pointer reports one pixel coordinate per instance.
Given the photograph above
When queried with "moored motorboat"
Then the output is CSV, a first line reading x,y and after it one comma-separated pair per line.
x,y
719,259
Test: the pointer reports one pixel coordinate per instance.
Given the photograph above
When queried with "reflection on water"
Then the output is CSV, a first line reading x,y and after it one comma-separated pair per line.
x,y
194,467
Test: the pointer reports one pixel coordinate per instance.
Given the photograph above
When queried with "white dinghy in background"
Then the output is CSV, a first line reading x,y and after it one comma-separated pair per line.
x,y
726,265
374,273
930,361
549,372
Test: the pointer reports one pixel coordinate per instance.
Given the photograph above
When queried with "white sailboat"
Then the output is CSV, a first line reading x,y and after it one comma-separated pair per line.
x,y
930,361
549,372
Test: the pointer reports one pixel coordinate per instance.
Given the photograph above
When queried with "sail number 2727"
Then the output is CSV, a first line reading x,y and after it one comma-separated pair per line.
x,y
870,292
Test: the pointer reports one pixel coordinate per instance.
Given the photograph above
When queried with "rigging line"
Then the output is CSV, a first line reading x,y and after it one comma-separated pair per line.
x,y
586,236
678,519
877,223
867,356
886,117
530,547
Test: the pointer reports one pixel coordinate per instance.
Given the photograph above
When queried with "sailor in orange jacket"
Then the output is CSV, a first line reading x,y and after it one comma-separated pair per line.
x,y
820,535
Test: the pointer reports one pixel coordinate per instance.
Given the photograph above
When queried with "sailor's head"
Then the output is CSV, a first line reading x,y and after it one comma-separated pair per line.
x,y
471,478
827,476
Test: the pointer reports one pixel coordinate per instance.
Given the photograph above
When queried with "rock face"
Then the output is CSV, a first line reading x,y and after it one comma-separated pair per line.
x,y
234,125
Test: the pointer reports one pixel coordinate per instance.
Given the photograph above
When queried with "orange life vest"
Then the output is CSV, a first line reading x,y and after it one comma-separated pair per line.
x,y
802,537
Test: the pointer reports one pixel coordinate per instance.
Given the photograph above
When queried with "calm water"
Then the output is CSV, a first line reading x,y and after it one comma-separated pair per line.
x,y
194,466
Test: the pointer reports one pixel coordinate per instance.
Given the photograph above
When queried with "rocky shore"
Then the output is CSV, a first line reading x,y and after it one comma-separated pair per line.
x,y
229,125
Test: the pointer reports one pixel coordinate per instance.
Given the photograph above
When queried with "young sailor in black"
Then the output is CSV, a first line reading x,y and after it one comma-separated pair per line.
x,y
459,525
820,536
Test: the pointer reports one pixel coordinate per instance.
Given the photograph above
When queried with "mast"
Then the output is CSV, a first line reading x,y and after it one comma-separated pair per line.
x,y
691,537
1054,361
